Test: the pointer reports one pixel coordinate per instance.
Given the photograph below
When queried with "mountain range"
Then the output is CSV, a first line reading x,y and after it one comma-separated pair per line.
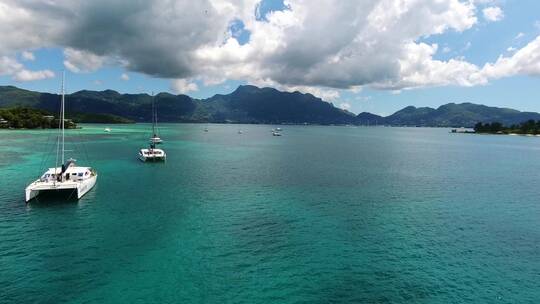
x,y
250,104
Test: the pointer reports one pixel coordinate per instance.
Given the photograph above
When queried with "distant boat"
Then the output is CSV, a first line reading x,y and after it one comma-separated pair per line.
x,y
240,132
155,140
278,129
461,130
276,133
67,178
153,153
107,130
205,129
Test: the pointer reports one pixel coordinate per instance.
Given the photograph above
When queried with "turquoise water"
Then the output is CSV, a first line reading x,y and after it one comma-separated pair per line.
x,y
319,215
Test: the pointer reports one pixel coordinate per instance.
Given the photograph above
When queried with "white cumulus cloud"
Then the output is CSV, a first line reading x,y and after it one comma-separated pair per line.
x,y
525,61
17,71
79,61
26,75
493,13
29,56
345,105
183,86
124,77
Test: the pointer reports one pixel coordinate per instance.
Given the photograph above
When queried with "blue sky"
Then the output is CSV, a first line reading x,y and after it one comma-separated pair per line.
x,y
483,42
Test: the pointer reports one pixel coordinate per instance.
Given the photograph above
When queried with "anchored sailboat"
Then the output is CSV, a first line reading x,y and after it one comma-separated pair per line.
x,y
153,153
68,177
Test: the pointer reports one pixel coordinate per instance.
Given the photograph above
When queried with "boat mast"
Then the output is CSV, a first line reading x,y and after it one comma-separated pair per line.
x,y
60,130
153,115
62,107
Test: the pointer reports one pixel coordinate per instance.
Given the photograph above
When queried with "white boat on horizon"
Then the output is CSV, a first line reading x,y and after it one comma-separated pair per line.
x,y
68,178
107,130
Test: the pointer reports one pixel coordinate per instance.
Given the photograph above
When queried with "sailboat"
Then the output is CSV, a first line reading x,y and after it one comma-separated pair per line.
x,y
153,153
68,177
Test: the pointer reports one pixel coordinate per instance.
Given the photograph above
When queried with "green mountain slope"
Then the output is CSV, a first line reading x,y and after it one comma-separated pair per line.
x,y
456,115
250,104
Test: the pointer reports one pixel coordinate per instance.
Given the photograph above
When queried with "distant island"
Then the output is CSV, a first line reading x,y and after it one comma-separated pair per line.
x,y
249,104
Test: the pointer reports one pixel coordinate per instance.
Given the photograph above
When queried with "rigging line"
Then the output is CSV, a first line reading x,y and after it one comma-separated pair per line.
x,y
71,194
83,144
60,125
63,114
48,149
37,143
82,147
155,114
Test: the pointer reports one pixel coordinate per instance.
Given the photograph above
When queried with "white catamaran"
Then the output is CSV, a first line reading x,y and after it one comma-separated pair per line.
x,y
153,153
68,177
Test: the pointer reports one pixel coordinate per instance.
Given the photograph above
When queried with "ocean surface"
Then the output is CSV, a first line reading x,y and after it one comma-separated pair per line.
x,y
319,215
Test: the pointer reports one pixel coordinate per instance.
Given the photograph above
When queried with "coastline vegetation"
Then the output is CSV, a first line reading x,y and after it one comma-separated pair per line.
x,y
30,118
27,118
529,127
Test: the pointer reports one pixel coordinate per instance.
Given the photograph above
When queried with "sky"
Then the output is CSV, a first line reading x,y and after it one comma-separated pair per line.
x,y
371,55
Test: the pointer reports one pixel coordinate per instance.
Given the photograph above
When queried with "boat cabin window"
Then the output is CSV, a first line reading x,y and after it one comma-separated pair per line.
x,y
80,174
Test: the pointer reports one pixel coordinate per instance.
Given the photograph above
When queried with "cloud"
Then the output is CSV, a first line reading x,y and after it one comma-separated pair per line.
x,y
335,45
345,105
419,69
519,35
183,86
13,68
124,77
79,61
493,13
326,94
525,61
26,75
317,46
29,56
9,66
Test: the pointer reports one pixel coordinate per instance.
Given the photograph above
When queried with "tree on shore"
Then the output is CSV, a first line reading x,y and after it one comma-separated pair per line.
x,y
27,118
528,127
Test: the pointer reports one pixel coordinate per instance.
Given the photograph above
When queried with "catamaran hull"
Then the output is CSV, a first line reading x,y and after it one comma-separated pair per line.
x,y
152,159
74,188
